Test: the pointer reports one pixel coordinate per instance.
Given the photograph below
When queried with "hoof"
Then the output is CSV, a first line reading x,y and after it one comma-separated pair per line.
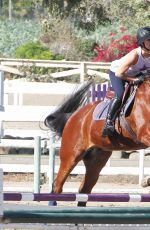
x,y
52,203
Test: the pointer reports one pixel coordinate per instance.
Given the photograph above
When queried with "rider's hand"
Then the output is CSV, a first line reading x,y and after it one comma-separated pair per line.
x,y
144,73
139,80
141,76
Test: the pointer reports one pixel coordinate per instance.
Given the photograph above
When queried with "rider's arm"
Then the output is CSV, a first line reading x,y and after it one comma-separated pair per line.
x,y
130,59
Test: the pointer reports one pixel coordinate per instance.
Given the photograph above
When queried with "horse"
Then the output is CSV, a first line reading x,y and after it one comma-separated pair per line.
x,y
82,136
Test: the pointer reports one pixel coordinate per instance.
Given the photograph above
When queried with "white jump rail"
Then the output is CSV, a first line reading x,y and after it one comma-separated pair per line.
x,y
19,112
36,144
19,89
26,113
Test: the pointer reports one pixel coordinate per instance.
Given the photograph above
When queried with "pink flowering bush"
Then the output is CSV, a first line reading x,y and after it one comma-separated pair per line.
x,y
115,48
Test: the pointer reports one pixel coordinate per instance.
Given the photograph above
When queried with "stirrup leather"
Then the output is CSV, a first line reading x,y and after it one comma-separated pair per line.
x,y
109,129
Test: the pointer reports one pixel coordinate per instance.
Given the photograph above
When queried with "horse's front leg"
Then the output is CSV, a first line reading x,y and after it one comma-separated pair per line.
x,y
67,163
69,157
64,170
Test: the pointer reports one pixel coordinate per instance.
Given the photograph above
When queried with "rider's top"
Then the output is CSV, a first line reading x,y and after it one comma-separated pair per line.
x,y
142,64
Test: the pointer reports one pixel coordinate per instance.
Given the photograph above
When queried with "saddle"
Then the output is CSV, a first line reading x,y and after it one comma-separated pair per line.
x,y
101,110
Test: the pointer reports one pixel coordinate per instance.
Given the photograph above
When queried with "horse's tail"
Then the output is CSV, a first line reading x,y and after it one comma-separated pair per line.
x,y
57,120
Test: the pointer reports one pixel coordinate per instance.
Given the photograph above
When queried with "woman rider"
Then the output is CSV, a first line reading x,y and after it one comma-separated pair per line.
x,y
125,70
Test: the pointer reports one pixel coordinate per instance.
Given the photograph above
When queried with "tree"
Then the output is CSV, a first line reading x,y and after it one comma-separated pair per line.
x,y
46,2
84,14
133,13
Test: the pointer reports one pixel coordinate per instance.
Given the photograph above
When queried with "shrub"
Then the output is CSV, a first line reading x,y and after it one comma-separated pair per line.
x,y
33,50
115,48
84,47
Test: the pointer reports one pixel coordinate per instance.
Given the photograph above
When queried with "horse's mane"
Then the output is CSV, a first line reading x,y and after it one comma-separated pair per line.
x,y
77,99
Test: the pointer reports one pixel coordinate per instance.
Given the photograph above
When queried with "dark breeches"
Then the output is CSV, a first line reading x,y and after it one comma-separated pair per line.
x,y
118,84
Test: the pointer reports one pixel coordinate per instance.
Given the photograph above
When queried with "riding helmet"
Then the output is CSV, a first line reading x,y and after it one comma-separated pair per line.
x,y
143,34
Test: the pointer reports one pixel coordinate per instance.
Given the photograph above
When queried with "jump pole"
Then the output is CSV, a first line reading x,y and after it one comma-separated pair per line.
x,y
37,163
141,165
103,197
51,162
84,215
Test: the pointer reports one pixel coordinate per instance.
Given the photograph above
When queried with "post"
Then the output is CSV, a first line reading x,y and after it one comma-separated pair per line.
x,y
1,193
37,163
82,72
51,162
1,91
1,102
141,166
10,10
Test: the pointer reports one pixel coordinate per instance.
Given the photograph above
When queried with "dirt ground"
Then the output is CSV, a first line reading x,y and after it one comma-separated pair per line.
x,y
119,179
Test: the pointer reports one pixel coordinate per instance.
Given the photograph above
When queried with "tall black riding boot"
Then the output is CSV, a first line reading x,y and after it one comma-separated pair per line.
x,y
109,127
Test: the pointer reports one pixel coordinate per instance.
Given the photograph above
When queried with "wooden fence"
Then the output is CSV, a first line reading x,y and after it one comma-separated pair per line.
x,y
69,67
32,102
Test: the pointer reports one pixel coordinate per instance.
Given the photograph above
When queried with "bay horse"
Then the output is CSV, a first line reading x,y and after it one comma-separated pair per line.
x,y
82,136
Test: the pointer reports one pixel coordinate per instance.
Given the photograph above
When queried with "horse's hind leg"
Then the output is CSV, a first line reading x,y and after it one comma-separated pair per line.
x,y
94,161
